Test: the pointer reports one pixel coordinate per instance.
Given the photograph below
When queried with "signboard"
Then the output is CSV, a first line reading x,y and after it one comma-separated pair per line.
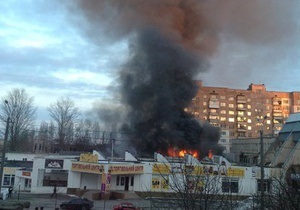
x,y
26,173
87,167
126,169
54,163
88,157
161,168
215,170
160,183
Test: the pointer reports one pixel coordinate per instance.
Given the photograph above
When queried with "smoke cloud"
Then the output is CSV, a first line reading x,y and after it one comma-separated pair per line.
x,y
171,43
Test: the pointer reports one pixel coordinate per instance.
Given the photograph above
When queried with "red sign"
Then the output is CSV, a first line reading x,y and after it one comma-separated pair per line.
x,y
26,173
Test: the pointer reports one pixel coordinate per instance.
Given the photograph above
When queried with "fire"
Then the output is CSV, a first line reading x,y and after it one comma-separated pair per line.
x,y
172,152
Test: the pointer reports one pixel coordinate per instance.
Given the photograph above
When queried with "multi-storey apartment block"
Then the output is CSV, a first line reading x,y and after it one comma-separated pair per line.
x,y
244,113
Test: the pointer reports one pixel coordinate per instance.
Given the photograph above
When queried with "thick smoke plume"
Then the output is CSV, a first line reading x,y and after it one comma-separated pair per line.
x,y
157,84
169,43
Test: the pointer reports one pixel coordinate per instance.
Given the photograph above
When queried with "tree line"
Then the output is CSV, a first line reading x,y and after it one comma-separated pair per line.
x,y
66,130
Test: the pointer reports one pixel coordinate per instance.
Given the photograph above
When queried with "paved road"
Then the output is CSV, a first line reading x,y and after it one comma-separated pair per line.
x,y
48,203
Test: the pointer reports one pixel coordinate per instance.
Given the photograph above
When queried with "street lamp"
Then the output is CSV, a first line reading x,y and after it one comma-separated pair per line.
x,y
19,190
4,147
262,170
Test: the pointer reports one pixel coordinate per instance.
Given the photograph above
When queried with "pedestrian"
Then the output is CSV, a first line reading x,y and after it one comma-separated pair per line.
x,y
10,189
54,191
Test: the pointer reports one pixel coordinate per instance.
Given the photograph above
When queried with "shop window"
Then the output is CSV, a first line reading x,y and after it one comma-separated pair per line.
x,y
122,181
230,185
8,180
267,185
55,177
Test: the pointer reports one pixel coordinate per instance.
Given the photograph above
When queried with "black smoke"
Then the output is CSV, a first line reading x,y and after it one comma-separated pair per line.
x,y
157,85
169,43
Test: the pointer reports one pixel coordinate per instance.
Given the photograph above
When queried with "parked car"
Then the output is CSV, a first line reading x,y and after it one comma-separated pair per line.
x,y
125,206
78,203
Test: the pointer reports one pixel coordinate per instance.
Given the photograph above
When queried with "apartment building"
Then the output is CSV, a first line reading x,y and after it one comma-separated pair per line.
x,y
244,113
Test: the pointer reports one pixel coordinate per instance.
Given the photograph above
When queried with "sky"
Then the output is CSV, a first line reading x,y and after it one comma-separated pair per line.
x,y
58,48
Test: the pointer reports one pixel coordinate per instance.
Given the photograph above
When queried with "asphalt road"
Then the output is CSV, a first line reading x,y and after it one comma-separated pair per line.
x,y
46,202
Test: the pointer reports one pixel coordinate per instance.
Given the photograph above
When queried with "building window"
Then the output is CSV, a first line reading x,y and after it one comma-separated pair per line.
x,y
231,126
267,185
213,111
230,185
223,111
230,98
248,106
204,103
231,105
285,101
249,128
223,97
8,180
223,119
231,112
231,119
212,96
249,113
122,181
249,121
240,113
223,104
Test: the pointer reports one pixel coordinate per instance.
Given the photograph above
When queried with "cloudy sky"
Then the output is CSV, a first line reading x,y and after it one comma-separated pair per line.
x,y
56,48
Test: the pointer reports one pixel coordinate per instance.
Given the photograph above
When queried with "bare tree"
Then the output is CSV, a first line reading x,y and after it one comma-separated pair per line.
x,y
181,185
83,135
64,113
19,107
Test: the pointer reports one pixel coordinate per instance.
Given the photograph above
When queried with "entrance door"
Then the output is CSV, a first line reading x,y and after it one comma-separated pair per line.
x,y
126,183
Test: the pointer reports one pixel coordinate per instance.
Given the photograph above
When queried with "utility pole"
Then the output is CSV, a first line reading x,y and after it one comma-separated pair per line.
x,y
4,150
262,172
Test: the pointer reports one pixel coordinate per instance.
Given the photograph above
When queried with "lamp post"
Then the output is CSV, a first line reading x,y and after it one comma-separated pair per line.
x,y
19,190
4,148
262,172
262,169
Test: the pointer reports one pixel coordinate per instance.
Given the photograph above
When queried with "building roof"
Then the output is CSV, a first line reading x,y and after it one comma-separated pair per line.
x,y
293,118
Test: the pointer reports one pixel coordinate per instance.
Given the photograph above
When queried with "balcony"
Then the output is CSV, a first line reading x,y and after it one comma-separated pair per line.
x,y
214,104
277,110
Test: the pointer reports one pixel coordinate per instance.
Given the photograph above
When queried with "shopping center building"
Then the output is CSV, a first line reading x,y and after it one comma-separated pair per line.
x,y
92,171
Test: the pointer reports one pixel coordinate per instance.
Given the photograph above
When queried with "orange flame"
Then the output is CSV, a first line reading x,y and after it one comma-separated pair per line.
x,y
172,152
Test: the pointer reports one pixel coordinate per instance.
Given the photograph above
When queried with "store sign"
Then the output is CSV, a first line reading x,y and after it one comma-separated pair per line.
x,y
87,167
215,170
126,169
160,183
54,163
26,173
88,157
161,168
